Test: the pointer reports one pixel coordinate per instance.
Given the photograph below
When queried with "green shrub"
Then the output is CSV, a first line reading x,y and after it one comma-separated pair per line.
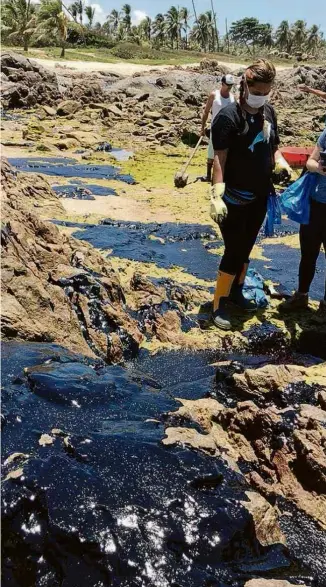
x,y
127,50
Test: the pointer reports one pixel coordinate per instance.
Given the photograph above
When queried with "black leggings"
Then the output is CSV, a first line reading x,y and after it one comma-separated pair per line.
x,y
239,230
312,236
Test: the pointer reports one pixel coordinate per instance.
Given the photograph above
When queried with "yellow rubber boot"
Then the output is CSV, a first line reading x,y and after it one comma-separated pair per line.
x,y
222,290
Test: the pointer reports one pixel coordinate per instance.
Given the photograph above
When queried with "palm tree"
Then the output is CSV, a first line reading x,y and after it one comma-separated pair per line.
x,y
126,19
114,20
90,13
159,29
266,35
211,30
80,8
19,20
185,17
52,22
173,25
201,32
313,38
299,34
73,9
283,37
215,32
145,28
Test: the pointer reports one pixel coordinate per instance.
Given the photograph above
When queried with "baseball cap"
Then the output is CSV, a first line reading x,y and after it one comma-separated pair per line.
x,y
228,79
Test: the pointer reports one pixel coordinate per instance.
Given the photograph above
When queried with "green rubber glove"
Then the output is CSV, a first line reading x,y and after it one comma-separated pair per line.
x,y
218,209
282,165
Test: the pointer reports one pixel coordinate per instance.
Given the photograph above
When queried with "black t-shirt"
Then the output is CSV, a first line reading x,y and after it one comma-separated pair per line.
x,y
246,169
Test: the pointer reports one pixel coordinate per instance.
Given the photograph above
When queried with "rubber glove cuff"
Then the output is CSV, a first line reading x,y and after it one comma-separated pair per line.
x,y
217,190
280,164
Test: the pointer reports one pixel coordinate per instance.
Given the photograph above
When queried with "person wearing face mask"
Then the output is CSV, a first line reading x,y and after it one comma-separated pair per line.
x,y
217,100
245,139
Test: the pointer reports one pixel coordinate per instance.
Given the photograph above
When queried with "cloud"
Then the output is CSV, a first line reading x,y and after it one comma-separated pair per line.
x,y
138,16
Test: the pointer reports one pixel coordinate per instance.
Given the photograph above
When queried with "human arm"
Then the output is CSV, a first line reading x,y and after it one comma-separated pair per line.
x,y
219,166
314,163
223,132
206,112
313,91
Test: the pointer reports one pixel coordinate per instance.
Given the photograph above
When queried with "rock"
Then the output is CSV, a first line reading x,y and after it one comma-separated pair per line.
x,y
66,144
146,292
164,82
45,146
310,446
85,139
271,583
322,399
270,379
152,115
14,474
49,110
33,131
167,327
46,440
68,107
36,307
313,413
14,457
265,516
201,411
213,65
112,109
190,438
25,83
142,97
284,455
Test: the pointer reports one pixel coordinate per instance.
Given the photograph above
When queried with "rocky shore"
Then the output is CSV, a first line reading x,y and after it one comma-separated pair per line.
x,y
140,445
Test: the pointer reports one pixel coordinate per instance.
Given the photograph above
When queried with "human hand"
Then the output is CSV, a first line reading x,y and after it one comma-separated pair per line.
x,y
304,88
283,169
218,209
203,132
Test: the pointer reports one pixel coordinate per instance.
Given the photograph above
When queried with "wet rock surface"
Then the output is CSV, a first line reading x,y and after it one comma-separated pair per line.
x,y
24,83
202,463
67,167
161,108
95,498
53,290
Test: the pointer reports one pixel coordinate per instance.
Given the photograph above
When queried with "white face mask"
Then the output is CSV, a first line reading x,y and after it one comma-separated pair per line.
x,y
256,101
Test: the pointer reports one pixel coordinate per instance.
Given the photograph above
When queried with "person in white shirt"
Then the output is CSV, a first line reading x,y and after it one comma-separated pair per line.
x,y
217,100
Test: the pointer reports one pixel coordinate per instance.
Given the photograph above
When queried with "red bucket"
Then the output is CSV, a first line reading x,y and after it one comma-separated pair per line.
x,y
297,156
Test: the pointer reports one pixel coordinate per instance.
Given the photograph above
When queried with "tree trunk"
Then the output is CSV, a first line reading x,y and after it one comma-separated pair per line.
x,y
62,54
25,44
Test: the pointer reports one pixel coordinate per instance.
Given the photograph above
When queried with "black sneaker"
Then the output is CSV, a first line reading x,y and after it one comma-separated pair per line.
x,y
236,297
297,302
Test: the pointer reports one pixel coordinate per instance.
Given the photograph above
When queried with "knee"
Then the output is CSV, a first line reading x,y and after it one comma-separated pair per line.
x,y
232,262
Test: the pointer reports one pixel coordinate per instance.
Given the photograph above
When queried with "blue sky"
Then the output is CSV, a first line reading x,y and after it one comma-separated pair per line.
x,y
273,11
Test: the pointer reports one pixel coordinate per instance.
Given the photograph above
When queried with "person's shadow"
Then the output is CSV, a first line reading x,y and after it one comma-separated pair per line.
x,y
308,336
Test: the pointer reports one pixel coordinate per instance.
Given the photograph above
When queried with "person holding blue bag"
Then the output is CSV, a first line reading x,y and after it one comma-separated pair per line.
x,y
309,208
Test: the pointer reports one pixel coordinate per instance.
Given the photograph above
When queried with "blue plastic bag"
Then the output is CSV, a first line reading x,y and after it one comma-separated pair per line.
x,y
295,200
253,288
274,214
